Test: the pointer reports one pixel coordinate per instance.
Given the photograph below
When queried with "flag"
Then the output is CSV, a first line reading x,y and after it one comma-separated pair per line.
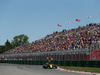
x,y
59,25
78,20
88,16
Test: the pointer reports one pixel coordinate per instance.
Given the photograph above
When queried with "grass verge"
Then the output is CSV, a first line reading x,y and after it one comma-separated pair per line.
x,y
86,69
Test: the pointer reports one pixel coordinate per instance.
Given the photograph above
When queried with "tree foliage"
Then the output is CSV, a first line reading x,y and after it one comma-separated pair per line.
x,y
17,41
2,49
8,45
20,40
5,47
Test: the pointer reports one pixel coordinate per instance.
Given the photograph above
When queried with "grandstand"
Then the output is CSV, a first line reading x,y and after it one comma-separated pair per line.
x,y
82,43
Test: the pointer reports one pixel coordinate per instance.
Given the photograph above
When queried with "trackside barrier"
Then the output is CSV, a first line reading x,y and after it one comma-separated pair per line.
x,y
79,57
61,63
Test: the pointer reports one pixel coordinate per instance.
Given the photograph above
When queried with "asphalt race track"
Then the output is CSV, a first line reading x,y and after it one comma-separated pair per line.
x,y
17,69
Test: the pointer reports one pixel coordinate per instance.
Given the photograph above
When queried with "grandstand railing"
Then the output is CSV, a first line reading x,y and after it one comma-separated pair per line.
x,y
75,54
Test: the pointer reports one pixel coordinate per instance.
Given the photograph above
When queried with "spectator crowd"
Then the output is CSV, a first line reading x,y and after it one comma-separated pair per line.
x,y
81,37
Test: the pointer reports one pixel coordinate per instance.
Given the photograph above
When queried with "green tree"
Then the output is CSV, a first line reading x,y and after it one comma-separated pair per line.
x,y
8,45
20,40
2,49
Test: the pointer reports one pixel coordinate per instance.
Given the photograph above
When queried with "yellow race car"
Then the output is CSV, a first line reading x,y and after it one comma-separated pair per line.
x,y
49,66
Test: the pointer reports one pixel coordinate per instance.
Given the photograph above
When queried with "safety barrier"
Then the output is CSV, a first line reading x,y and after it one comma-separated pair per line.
x,y
78,57
61,63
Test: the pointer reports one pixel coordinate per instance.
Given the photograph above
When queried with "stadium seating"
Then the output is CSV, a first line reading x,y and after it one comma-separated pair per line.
x,y
77,38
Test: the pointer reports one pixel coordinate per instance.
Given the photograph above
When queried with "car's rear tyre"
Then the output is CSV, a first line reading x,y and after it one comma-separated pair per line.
x,y
55,67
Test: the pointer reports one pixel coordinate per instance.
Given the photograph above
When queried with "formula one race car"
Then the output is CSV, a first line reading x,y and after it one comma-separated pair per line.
x,y
50,66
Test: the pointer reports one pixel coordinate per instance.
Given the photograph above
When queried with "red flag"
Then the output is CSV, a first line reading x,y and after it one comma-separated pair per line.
x,y
59,25
78,20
